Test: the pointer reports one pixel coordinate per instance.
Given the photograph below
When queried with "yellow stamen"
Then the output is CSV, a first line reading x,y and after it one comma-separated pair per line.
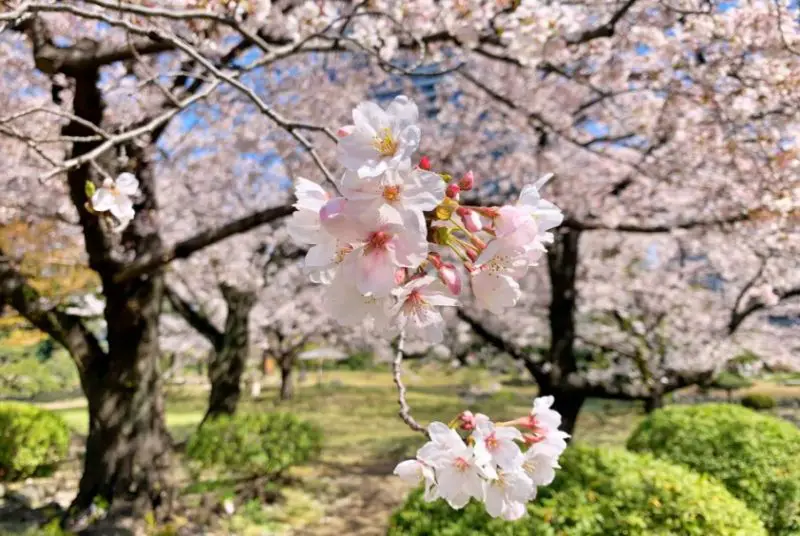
x,y
384,143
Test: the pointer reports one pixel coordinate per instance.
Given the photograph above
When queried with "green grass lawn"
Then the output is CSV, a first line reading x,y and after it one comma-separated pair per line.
x,y
358,410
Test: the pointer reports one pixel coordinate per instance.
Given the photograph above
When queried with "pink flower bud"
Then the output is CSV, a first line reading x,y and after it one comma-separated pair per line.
x,y
344,131
472,220
467,181
400,276
425,163
531,439
452,190
450,277
466,420
435,260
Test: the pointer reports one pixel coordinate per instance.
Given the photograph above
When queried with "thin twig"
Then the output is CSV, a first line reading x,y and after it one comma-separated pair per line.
x,y
405,409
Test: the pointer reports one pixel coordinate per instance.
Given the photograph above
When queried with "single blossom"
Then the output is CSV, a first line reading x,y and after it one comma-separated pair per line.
x,y
379,247
305,227
460,472
416,309
394,194
500,443
540,463
494,278
414,471
507,495
114,196
379,139
529,219
349,307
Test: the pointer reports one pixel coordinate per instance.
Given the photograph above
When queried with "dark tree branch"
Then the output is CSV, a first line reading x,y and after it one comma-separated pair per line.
x,y
652,229
501,344
84,55
606,30
150,262
66,329
737,317
194,318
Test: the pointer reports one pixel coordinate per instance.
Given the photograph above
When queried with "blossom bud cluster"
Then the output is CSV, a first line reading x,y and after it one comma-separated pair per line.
x,y
491,466
386,246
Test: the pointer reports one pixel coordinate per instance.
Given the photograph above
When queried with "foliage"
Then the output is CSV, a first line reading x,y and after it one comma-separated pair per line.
x,y
25,373
756,456
730,381
258,444
758,401
598,492
32,441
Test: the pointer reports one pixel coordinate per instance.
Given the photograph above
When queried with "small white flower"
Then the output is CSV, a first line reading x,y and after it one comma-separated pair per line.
x,y
500,443
506,496
416,311
380,139
394,192
305,227
460,472
115,197
497,270
379,247
540,463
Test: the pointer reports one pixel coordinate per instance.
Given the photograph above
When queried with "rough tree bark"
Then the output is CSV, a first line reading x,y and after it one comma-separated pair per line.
x,y
127,450
562,266
287,380
231,345
228,362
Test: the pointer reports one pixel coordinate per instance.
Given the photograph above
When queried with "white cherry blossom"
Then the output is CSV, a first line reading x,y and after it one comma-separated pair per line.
x,y
416,308
114,196
378,139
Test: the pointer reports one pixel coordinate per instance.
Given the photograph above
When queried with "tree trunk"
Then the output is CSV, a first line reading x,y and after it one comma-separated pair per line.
x,y
654,402
127,451
227,365
287,382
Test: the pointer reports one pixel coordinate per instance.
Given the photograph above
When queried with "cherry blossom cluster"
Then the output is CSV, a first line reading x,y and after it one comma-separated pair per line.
x,y
382,246
491,466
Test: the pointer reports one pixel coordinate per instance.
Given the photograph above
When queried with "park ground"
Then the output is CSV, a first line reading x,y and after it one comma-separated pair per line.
x,y
350,489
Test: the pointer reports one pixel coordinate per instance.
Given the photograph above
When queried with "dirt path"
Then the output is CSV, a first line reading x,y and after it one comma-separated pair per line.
x,y
358,501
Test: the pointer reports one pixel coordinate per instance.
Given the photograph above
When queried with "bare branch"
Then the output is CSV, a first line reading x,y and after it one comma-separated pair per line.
x,y
148,263
405,409
67,329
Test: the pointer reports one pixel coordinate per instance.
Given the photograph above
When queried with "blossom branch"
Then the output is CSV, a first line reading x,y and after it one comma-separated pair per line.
x,y
405,409
150,262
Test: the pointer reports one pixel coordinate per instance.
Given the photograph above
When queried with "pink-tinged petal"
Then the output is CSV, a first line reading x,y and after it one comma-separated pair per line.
x,y
409,471
127,184
375,272
338,220
495,292
514,510
495,499
410,247
508,433
310,195
304,227
427,324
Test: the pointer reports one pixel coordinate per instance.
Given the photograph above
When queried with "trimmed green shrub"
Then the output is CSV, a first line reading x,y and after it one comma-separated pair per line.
x,y
32,441
598,493
756,456
729,382
257,444
758,401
